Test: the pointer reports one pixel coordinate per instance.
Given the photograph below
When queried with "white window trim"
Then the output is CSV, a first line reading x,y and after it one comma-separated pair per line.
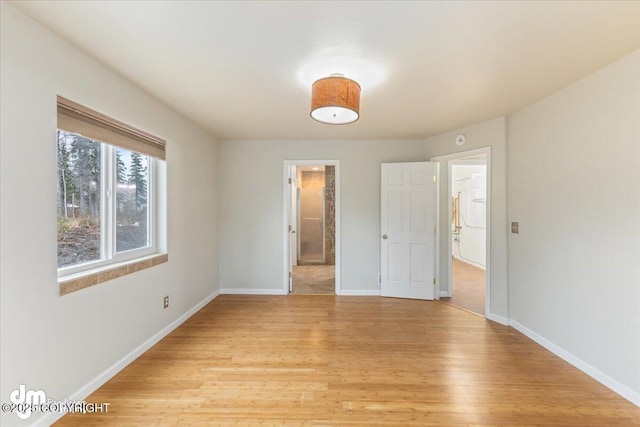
x,y
108,214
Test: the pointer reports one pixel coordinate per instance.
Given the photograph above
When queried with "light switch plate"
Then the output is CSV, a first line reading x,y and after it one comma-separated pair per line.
x,y
515,227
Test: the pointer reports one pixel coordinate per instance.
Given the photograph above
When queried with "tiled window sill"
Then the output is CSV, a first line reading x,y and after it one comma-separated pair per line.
x,y
89,278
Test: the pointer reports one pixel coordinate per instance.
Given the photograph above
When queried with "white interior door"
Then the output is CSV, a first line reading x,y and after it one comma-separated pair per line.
x,y
407,231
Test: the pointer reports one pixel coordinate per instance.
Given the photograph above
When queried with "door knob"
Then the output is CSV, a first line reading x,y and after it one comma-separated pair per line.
x,y
384,236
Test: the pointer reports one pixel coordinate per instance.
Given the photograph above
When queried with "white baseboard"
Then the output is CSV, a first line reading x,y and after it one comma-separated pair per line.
x,y
624,391
444,294
100,380
360,292
249,291
499,319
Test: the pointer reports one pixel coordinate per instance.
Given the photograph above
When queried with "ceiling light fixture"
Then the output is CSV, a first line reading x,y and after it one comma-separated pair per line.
x,y
335,100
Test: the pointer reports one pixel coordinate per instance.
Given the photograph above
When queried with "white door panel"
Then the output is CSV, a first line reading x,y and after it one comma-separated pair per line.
x,y
419,212
418,270
395,222
408,197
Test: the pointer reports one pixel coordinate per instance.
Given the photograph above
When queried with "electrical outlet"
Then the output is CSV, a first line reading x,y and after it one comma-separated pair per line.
x,y
166,301
515,227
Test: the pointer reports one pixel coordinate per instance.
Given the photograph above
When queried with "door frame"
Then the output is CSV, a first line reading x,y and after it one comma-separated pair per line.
x,y
287,211
449,158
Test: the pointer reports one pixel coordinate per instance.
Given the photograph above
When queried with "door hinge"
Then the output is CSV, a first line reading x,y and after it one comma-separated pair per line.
x,y
290,275
434,230
289,180
289,228
434,280
434,178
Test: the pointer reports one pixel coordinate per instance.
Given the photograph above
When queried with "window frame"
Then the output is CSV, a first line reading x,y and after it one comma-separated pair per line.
x,y
108,227
110,242
79,120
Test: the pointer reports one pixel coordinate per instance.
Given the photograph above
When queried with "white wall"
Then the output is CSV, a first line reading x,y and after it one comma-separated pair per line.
x,y
251,207
488,134
574,160
59,344
470,183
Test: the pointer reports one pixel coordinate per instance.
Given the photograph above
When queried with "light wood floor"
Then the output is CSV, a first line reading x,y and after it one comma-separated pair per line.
x,y
350,361
468,283
314,280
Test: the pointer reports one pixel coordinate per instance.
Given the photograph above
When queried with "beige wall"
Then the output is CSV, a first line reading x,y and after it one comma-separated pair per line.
x,y
574,160
251,244
60,344
251,210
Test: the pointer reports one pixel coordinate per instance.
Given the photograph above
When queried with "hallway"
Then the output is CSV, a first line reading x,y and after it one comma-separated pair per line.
x,y
468,287
314,280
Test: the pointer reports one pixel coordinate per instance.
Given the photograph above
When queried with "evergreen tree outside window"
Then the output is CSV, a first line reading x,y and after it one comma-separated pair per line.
x,y
132,213
79,199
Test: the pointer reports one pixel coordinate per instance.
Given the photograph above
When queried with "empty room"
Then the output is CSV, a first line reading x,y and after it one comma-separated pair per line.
x,y
320,213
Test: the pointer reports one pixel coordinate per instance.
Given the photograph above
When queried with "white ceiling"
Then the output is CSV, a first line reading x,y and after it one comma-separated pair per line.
x,y
243,69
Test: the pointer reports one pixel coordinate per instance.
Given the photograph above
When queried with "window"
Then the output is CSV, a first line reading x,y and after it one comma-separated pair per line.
x,y
132,200
79,200
106,190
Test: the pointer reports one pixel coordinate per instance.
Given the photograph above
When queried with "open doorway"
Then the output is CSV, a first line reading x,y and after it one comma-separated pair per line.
x,y
312,227
469,196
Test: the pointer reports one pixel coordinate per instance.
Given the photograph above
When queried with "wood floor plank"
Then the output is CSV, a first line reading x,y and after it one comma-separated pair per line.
x,y
468,285
350,361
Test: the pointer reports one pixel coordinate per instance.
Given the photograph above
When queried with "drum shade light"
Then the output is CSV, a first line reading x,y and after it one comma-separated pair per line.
x,y
335,100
